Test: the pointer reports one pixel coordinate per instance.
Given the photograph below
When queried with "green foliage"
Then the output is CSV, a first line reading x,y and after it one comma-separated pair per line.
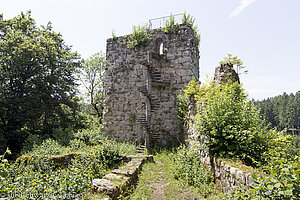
x,y
84,141
182,107
282,182
235,62
2,157
41,178
139,36
188,19
231,123
294,149
37,86
192,90
38,179
234,129
189,168
107,154
282,111
171,26
48,147
91,77
113,34
90,136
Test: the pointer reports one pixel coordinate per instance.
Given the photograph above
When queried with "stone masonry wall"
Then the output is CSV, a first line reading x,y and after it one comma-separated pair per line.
x,y
141,85
226,176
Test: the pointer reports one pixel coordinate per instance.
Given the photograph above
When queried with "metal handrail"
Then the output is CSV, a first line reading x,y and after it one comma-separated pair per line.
x,y
161,19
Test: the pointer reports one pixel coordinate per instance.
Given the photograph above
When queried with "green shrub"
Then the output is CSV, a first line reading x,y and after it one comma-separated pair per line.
x,y
90,136
282,183
31,141
188,19
108,154
48,147
188,167
295,147
76,145
40,178
171,26
232,124
191,91
139,36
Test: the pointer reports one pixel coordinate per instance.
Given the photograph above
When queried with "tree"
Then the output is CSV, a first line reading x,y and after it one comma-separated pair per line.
x,y
36,80
236,62
91,76
281,111
231,123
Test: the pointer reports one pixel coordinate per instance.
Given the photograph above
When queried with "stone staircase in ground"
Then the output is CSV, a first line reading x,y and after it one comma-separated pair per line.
x,y
141,149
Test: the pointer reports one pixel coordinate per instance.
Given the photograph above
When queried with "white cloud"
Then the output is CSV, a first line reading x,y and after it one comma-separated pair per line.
x,y
243,4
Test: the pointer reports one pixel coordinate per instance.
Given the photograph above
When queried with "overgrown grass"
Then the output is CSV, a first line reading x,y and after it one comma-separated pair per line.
x,y
157,181
41,177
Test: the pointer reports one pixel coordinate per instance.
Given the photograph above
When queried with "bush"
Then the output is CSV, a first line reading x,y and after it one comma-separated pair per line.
x,y
170,25
90,136
232,123
282,183
139,36
188,167
40,178
48,147
107,154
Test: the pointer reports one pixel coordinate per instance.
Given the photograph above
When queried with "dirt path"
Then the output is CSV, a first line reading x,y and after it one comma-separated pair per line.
x,y
157,182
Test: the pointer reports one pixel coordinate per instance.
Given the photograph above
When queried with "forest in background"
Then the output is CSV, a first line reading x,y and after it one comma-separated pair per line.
x,y
282,112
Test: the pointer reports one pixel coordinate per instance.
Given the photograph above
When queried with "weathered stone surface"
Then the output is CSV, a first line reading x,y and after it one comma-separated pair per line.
x,y
225,72
119,180
132,114
103,185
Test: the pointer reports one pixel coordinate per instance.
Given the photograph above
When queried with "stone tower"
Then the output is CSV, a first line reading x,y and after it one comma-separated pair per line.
x,y
141,85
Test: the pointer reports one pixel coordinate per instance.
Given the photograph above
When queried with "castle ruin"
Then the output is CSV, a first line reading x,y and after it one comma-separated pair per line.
x,y
141,85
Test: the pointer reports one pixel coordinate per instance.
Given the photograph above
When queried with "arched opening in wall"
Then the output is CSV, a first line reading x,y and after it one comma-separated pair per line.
x,y
159,46
161,49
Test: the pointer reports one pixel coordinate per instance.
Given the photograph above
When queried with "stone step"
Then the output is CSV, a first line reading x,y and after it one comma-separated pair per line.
x,y
155,74
155,135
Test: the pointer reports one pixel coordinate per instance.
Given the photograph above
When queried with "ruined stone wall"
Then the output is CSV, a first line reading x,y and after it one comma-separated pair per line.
x,y
226,176
141,85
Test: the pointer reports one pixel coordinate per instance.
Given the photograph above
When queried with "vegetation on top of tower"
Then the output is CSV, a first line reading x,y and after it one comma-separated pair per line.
x,y
188,19
172,27
235,62
139,36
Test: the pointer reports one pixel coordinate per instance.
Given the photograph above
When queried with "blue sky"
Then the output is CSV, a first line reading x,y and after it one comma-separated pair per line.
x,y
265,34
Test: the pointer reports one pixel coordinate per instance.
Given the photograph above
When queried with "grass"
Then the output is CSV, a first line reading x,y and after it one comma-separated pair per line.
x,y
52,147
156,181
